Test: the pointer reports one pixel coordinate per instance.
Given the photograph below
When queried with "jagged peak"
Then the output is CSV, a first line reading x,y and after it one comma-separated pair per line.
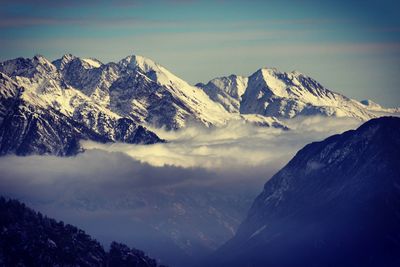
x,y
269,69
26,66
153,70
137,61
233,84
39,57
66,58
41,60
63,61
230,77
265,71
87,63
95,63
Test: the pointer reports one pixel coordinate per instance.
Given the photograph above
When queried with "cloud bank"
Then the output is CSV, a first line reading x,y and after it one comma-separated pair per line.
x,y
233,147
178,200
195,157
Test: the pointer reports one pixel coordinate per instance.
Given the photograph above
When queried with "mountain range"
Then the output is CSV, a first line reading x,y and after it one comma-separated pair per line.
x,y
336,203
48,107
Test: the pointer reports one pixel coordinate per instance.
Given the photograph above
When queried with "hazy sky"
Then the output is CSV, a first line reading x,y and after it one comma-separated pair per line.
x,y
349,46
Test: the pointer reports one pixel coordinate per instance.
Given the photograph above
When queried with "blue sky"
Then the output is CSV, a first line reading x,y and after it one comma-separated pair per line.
x,y
351,47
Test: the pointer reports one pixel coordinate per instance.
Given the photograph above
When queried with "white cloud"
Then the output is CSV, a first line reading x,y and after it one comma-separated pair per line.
x,y
233,147
196,189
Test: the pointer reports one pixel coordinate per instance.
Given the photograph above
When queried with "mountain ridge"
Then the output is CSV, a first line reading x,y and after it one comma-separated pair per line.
x,y
283,95
29,238
50,119
335,203
116,102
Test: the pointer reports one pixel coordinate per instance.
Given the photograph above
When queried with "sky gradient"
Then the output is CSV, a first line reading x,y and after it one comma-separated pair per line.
x,y
350,47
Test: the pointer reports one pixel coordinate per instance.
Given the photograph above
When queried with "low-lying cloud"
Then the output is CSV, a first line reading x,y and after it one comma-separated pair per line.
x,y
237,158
233,147
190,193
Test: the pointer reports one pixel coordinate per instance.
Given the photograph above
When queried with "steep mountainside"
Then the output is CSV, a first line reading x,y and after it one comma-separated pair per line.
x,y
40,113
141,89
336,203
170,101
272,93
28,238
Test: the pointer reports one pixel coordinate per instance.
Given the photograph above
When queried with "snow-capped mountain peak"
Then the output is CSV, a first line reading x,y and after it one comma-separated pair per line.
x,y
233,85
63,61
188,103
269,79
87,63
27,67
94,63
139,62
152,70
272,93
48,110
42,61
137,90
227,91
